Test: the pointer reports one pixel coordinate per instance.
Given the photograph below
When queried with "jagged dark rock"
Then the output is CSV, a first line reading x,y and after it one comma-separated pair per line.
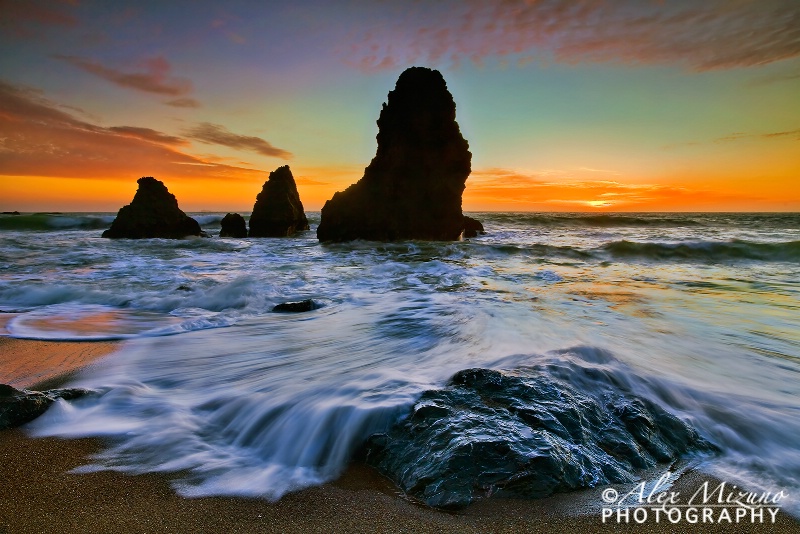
x,y
412,188
153,212
278,211
472,227
18,407
10,213
526,433
233,225
296,307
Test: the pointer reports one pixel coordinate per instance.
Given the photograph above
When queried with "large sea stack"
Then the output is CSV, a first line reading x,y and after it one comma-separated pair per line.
x,y
153,212
278,211
412,188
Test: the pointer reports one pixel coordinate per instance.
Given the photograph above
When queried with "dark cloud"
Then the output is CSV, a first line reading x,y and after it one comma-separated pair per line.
x,y
39,138
216,134
790,133
707,35
155,77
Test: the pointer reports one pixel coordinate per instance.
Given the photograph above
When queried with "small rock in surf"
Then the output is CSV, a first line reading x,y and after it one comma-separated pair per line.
x,y
296,307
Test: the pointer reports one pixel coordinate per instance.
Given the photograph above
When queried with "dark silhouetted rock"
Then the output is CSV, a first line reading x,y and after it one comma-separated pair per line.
x,y
18,407
10,213
412,188
278,211
472,227
296,307
233,225
528,433
153,212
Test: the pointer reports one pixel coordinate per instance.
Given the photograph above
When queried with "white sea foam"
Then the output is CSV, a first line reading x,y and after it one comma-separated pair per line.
x,y
248,402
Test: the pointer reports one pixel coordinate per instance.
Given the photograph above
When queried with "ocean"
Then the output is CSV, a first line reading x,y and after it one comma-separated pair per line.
x,y
696,314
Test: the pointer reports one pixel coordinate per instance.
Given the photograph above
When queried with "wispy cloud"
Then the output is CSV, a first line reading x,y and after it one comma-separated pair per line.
x,y
770,135
224,23
735,136
216,134
738,136
31,18
39,138
148,134
702,36
790,133
774,78
183,103
154,77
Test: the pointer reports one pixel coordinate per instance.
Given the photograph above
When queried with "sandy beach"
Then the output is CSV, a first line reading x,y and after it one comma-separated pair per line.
x,y
27,362
41,493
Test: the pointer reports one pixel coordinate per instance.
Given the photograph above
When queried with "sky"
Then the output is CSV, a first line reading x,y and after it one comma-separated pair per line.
x,y
574,105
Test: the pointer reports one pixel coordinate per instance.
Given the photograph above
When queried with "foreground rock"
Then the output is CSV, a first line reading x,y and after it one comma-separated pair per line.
x,y
233,225
18,407
412,188
296,307
278,211
472,227
153,212
527,434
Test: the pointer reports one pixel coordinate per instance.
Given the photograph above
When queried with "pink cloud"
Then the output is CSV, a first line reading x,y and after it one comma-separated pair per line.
x,y
216,134
148,134
38,138
155,76
31,18
702,36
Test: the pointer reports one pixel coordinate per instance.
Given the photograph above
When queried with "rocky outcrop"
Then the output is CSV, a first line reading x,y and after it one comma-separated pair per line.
x,y
18,407
296,307
412,188
528,434
278,211
153,212
233,225
472,227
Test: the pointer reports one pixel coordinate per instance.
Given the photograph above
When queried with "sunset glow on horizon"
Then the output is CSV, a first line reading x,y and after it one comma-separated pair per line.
x,y
567,106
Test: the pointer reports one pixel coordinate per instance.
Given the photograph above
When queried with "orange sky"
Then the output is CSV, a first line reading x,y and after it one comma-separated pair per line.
x,y
619,107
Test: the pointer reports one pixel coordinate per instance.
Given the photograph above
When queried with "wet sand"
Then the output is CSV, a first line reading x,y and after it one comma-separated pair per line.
x,y
25,363
39,494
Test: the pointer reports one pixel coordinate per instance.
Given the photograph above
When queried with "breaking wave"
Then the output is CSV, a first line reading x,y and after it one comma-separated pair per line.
x,y
55,221
708,251
691,251
265,426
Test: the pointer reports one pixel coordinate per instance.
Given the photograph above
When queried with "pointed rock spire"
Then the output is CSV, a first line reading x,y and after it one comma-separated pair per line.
x,y
278,211
412,188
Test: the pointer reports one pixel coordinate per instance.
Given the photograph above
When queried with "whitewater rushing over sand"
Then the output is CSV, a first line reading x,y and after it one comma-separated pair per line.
x,y
695,314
